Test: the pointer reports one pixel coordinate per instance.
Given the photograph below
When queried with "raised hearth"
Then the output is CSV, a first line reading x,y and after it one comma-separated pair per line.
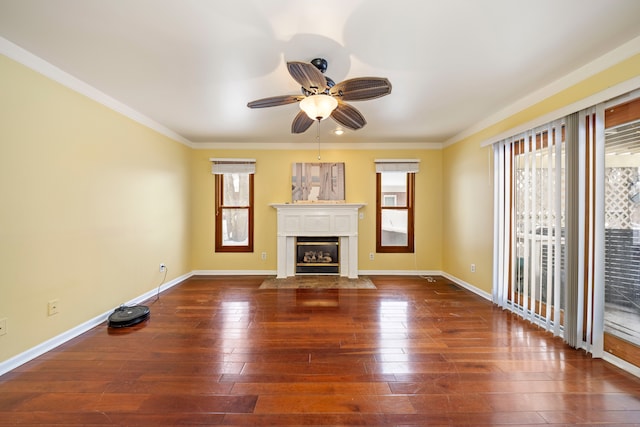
x,y
317,220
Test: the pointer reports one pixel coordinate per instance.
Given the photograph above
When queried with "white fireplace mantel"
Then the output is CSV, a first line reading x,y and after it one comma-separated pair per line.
x,y
317,219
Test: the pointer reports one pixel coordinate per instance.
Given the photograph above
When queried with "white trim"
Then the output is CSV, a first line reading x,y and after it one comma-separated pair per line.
x,y
43,67
62,338
221,166
58,340
400,273
397,165
397,160
229,160
454,279
267,145
626,97
602,96
622,364
598,65
54,342
233,272
468,286
47,69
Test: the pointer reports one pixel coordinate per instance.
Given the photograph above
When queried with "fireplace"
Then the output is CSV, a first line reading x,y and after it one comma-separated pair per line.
x,y
337,221
317,255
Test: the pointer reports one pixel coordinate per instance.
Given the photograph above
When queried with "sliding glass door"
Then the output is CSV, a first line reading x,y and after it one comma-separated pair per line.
x,y
567,223
622,231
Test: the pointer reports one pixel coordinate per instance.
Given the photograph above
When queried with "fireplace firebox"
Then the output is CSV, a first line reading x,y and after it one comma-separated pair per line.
x,y
317,255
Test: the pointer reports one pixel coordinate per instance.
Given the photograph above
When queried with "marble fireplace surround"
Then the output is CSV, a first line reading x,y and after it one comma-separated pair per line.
x,y
317,219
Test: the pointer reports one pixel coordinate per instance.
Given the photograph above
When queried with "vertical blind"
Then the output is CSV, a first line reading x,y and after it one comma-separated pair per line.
x,y
549,227
529,224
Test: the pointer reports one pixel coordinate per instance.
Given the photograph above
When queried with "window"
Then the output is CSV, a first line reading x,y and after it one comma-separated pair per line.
x,y
233,205
395,183
389,199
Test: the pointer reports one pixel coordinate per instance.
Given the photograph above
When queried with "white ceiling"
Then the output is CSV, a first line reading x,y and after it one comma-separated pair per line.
x,y
192,65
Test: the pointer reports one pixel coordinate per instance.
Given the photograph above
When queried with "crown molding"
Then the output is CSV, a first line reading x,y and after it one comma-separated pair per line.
x,y
621,53
54,73
616,92
314,146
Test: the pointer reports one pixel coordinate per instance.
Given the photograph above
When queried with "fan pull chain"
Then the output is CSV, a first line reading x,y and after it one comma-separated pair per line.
x,y
318,138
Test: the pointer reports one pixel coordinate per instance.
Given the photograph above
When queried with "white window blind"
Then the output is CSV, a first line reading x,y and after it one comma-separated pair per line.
x,y
222,166
530,225
397,165
547,226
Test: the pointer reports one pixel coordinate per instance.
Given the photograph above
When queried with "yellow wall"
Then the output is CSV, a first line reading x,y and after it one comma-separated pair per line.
x,y
90,203
468,191
273,185
468,209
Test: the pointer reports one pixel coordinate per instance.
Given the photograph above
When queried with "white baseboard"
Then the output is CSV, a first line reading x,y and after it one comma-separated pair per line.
x,y
400,273
469,287
58,340
454,279
622,364
234,273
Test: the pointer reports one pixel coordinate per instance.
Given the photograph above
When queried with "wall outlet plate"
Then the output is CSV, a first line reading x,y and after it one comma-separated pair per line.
x,y
53,307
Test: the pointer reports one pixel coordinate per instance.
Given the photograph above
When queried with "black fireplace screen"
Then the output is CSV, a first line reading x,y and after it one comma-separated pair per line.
x,y
317,255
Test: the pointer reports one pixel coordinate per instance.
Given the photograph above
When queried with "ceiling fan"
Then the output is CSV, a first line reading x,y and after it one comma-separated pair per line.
x,y
322,97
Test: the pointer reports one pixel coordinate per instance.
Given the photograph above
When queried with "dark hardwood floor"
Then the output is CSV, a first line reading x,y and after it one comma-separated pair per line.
x,y
217,350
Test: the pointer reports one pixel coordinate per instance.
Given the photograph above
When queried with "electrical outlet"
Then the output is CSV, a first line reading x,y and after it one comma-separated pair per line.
x,y
371,256
163,267
53,307
3,326
263,256
473,268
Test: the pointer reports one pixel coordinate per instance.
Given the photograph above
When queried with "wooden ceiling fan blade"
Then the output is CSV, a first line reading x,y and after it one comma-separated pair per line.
x,y
301,123
308,76
362,88
348,116
275,101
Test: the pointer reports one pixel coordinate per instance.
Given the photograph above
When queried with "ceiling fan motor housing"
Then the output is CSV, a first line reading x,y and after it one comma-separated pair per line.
x,y
320,63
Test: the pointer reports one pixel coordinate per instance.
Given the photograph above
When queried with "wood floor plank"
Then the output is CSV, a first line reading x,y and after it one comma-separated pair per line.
x,y
217,350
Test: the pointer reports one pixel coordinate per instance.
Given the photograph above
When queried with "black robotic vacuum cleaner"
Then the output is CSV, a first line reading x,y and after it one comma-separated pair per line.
x,y
128,316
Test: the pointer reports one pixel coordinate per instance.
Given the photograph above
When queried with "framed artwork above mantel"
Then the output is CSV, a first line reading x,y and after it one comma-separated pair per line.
x,y
317,182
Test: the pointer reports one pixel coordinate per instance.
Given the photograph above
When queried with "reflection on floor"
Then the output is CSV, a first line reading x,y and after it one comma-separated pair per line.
x,y
412,352
317,282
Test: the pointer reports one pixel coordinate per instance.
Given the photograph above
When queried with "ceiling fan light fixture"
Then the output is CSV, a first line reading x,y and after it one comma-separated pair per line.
x,y
322,97
318,107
